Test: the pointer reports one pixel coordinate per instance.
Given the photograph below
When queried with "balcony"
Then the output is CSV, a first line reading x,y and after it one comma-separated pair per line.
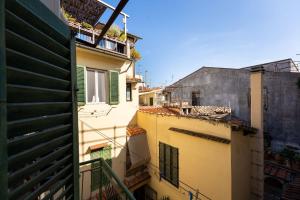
x,y
108,44
108,186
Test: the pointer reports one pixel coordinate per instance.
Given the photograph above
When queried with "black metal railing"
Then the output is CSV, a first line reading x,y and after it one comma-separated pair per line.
x,y
98,181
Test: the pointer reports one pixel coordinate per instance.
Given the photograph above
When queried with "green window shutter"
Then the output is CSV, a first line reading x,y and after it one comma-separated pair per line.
x,y
113,87
168,163
104,153
175,179
162,159
80,85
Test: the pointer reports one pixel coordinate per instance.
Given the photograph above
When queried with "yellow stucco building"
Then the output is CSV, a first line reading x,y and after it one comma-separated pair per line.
x,y
206,157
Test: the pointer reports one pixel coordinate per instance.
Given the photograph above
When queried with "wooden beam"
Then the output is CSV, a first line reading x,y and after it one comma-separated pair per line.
x,y
111,20
201,135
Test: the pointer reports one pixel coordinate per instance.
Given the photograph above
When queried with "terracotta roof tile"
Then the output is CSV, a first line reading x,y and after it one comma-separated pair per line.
x,y
135,130
98,146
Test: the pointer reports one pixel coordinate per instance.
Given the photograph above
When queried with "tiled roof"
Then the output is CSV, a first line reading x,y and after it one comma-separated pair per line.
x,y
160,110
135,130
276,171
98,146
292,191
214,113
145,89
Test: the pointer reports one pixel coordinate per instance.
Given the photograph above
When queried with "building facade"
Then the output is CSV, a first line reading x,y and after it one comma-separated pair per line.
x,y
194,157
231,87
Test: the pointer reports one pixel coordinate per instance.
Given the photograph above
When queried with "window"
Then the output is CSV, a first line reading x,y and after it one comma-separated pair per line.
x,y
104,153
128,92
168,163
96,86
151,101
195,98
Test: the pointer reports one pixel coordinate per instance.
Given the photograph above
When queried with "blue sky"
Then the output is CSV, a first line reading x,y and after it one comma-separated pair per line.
x,y
181,36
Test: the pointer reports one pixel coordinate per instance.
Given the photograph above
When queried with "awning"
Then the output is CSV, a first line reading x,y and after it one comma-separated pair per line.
x,y
138,150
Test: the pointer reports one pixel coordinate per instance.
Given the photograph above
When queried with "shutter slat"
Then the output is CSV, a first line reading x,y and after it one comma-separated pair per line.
x,y
26,110
80,85
57,187
23,61
40,133
24,77
28,141
32,33
37,151
23,172
36,14
175,170
162,159
20,93
25,126
113,87
42,176
52,181
21,44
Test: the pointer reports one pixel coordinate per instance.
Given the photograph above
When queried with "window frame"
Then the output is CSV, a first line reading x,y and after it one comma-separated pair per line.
x,y
96,85
130,92
171,167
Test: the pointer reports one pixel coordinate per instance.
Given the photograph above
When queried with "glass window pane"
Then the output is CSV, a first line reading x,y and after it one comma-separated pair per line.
x,y
128,92
91,93
102,86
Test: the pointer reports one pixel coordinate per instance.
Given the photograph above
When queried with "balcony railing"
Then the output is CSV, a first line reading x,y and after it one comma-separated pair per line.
x,y
106,187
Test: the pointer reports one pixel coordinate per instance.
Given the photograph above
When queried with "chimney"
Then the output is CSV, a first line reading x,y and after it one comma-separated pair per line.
x,y
257,141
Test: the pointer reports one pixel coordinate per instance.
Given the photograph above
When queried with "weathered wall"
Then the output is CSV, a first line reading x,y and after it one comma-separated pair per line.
x,y
282,108
217,86
231,87
203,164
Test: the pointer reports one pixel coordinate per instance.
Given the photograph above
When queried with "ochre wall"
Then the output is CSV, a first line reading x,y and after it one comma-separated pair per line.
x,y
203,164
103,123
241,166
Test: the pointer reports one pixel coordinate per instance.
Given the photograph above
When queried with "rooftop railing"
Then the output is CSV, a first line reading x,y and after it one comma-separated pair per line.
x,y
98,181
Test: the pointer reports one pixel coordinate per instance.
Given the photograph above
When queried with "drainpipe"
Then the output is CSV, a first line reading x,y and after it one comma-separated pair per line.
x,y
257,141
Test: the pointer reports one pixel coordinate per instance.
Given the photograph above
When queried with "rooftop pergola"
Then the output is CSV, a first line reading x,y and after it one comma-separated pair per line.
x,y
90,11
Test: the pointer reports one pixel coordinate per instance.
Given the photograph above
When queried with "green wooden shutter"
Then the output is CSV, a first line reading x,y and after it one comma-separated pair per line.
x,y
80,85
175,179
38,129
162,159
168,162
104,153
113,87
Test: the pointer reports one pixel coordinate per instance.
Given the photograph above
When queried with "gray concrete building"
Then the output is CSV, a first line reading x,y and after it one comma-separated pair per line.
x,y
231,87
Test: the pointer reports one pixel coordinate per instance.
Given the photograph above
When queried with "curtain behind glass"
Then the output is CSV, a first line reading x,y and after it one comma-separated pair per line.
x,y
102,86
91,92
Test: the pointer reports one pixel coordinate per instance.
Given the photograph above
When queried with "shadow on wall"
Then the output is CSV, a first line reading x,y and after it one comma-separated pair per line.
x,y
121,160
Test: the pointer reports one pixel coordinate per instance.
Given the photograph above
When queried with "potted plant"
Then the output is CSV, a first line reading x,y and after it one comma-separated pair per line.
x,y
86,25
114,31
135,55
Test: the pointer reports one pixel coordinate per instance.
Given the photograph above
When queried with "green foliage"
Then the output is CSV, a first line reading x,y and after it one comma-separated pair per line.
x,y
86,25
298,83
114,31
135,55
122,37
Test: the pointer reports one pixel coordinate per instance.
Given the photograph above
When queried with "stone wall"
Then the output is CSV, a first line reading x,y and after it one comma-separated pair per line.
x,y
231,87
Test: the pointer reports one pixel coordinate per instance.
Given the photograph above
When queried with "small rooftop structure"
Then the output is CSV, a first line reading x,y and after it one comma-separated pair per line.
x,y
211,113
